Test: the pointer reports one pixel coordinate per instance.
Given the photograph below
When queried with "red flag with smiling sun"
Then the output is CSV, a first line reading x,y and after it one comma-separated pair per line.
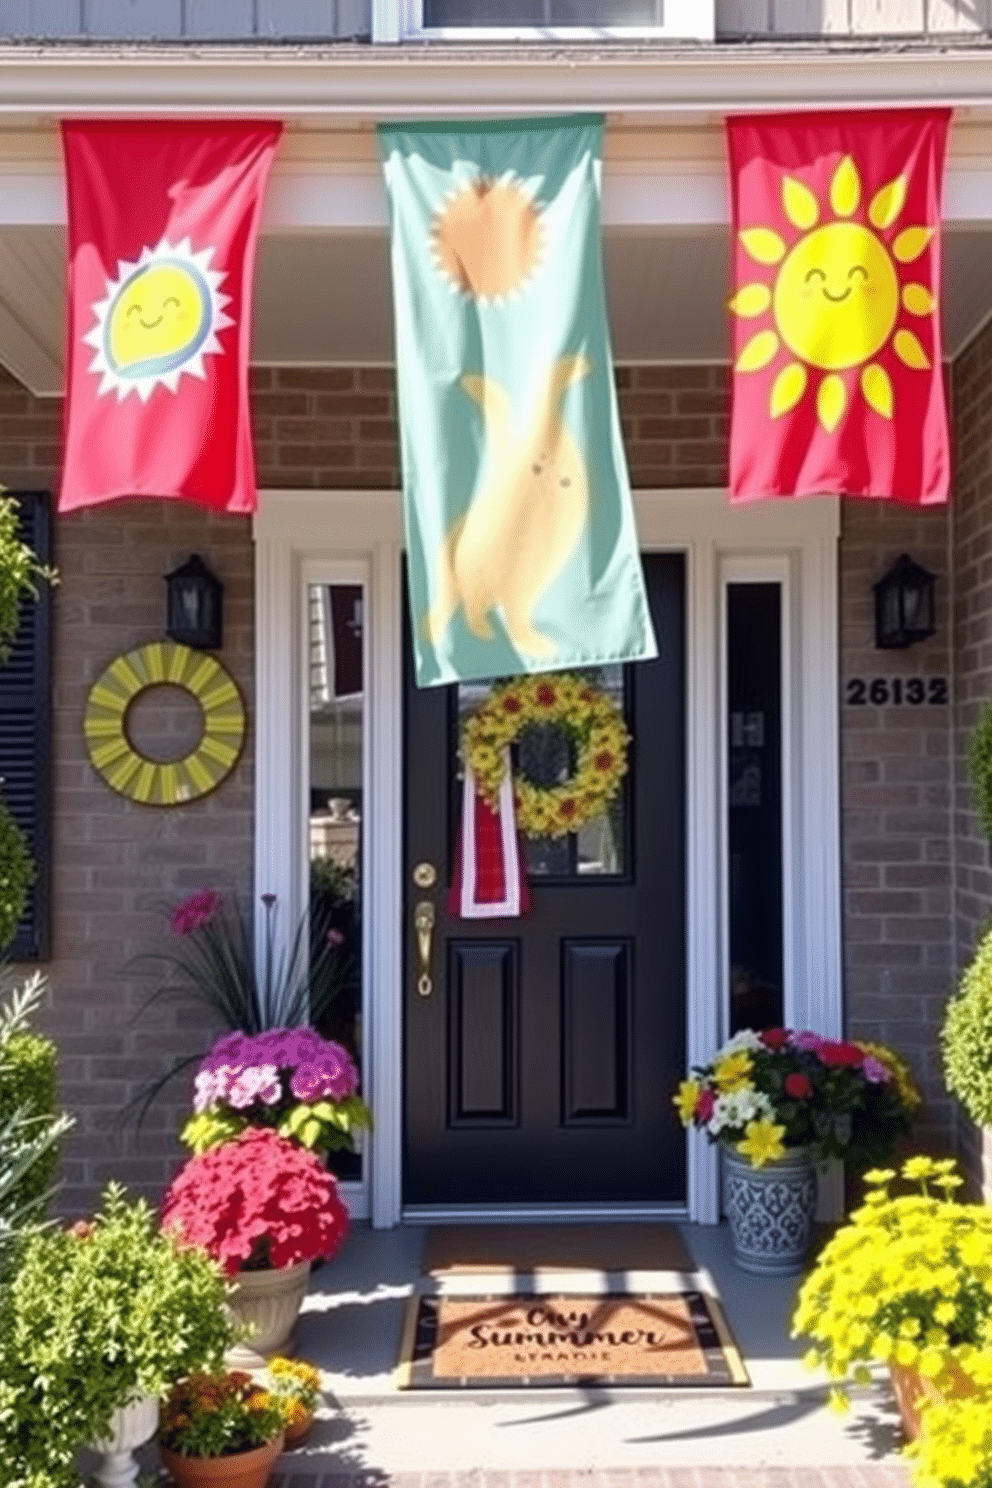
x,y
163,219
837,381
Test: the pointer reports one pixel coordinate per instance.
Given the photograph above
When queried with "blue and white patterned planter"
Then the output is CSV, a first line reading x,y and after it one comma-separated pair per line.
x,y
771,1211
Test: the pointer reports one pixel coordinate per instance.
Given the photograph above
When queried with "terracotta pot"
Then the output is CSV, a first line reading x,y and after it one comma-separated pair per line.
x,y
270,1301
912,1389
243,1470
297,1434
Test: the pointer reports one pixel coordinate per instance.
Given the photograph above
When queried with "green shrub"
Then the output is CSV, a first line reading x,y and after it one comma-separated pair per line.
x,y
16,875
27,1084
967,1036
980,767
19,572
93,1317
30,1131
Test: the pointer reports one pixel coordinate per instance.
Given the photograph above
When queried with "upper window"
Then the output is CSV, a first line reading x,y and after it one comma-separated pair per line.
x,y
539,20
543,13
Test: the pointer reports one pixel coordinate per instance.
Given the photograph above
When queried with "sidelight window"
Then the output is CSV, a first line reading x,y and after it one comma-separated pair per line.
x,y
754,762
337,804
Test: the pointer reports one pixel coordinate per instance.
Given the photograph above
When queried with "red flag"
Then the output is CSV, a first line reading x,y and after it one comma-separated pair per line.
x,y
837,383
163,218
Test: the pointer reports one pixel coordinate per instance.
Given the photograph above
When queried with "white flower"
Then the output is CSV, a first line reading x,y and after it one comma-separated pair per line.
x,y
737,1109
253,1084
745,1039
204,1090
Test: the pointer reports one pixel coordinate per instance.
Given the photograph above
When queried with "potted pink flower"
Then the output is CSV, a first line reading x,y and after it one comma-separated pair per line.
x,y
290,1079
265,1208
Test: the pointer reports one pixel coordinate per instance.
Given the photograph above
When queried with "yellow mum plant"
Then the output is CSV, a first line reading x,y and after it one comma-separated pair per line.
x,y
955,1449
907,1280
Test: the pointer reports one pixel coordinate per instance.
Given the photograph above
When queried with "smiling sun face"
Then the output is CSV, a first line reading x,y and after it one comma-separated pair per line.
x,y
158,320
836,298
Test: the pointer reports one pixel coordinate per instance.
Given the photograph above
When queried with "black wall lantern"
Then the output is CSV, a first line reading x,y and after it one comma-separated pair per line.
x,y
194,606
904,606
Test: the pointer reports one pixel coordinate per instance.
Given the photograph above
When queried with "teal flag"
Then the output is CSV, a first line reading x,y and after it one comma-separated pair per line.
x,y
520,532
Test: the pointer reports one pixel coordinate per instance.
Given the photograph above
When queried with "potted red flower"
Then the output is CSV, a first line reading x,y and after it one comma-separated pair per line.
x,y
265,1209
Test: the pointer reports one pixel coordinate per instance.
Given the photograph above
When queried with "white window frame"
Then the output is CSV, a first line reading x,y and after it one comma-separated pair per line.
x,y
298,533
403,20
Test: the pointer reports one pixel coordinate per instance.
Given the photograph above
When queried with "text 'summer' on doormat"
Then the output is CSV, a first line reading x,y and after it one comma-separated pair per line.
x,y
674,1338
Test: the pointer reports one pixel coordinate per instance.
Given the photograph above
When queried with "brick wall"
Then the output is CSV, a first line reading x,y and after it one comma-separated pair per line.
x,y
118,865
896,807
972,548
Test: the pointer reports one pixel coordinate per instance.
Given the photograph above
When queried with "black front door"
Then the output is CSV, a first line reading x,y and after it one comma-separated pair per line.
x,y
541,1066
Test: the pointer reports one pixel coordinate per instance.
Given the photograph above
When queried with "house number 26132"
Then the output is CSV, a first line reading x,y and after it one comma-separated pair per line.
x,y
882,690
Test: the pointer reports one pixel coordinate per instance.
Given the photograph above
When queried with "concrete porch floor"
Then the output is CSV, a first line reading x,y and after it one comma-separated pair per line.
x,y
779,1432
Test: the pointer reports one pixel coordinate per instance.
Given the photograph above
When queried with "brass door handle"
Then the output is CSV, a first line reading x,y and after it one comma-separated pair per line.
x,y
423,923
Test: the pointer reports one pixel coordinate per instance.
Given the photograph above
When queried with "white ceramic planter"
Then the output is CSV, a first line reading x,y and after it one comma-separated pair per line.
x,y
270,1301
130,1427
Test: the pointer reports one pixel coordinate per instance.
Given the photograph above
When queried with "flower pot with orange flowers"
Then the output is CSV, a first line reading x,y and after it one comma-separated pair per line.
x,y
296,1384
220,1431
265,1208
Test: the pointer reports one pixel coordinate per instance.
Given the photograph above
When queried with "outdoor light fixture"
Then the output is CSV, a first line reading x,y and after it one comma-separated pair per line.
x,y
904,606
194,602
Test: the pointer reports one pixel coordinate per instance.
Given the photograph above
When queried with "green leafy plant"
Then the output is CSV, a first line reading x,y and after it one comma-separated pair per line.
x,y
336,880
907,1280
16,874
217,1415
30,1128
20,572
980,767
94,1316
27,1084
966,1036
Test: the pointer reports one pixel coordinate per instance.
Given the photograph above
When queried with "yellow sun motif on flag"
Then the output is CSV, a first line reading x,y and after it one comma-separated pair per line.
x,y
836,298
159,319
487,238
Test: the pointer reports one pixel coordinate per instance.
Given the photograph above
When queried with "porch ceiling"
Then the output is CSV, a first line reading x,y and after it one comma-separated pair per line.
x,y
325,298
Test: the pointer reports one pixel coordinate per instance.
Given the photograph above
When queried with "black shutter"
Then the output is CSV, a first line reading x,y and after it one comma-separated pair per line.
x,y
26,733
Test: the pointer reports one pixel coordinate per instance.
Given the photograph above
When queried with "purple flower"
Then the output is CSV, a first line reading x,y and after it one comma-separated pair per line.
x,y
808,1041
226,1052
199,909
874,1070
339,1072
307,1083
270,1090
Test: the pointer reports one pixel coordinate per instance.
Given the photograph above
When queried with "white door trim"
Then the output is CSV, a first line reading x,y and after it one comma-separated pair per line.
x,y
297,528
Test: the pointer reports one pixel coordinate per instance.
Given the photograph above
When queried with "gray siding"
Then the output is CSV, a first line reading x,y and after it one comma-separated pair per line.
x,y
791,18
321,20
195,20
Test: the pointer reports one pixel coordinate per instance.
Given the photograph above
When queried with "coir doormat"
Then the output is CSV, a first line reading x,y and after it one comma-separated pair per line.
x,y
453,1341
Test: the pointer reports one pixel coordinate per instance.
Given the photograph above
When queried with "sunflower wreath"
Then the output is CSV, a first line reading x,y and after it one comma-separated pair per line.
x,y
592,721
